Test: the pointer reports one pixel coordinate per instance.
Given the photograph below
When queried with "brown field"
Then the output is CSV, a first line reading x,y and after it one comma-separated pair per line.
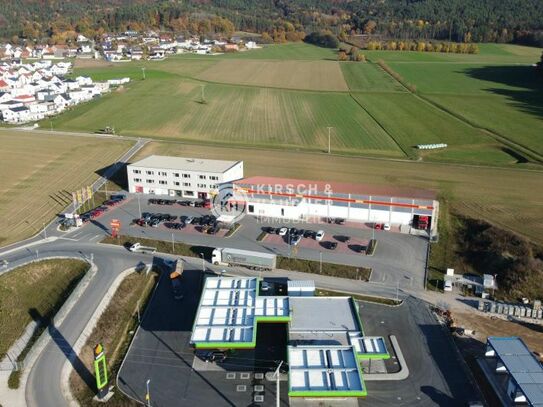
x,y
305,75
510,198
39,172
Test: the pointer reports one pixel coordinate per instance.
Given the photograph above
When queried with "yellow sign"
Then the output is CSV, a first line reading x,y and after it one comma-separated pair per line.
x,y
89,192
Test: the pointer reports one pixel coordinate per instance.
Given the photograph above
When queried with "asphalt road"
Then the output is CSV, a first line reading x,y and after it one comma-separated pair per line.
x,y
399,259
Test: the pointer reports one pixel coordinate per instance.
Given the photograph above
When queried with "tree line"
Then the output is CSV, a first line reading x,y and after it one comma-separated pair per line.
x,y
457,21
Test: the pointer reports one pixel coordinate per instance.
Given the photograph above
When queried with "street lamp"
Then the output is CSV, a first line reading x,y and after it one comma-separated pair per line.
x,y
139,205
277,377
329,130
203,263
44,230
148,395
173,244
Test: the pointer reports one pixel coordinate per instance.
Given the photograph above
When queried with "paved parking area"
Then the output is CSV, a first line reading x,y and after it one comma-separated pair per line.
x,y
161,352
399,258
436,376
354,245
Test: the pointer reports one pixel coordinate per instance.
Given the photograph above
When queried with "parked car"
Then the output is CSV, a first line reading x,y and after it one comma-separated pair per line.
x,y
379,226
448,286
211,356
189,220
283,231
319,235
309,233
213,230
339,221
183,203
118,197
154,223
386,226
331,245
295,240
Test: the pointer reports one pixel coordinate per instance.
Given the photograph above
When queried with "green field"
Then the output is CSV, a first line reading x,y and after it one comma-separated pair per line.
x,y
487,107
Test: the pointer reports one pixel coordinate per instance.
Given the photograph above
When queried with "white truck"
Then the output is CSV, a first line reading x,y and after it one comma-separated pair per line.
x,y
245,258
138,247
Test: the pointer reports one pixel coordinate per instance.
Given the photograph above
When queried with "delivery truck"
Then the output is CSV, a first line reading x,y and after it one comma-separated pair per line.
x,y
245,258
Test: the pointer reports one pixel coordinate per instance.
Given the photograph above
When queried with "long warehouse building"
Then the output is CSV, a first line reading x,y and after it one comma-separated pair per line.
x,y
295,199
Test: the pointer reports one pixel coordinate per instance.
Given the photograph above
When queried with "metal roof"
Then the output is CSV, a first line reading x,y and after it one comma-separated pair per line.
x,y
522,365
322,314
324,371
185,164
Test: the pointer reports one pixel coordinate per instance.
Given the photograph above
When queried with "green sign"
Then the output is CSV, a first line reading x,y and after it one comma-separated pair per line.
x,y
100,367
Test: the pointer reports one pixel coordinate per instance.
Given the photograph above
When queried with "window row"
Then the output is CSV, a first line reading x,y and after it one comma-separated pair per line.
x,y
176,174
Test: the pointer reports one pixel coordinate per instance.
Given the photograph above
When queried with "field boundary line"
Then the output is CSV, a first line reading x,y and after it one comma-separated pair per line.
x,y
380,125
523,150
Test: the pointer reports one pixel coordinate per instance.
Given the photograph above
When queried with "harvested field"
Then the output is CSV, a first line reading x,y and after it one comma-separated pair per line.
x,y
304,75
39,173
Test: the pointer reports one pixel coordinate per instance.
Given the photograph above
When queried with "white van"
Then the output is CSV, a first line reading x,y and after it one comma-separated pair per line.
x,y
448,285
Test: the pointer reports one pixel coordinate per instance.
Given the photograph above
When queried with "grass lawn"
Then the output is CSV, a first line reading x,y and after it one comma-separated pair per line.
x,y
35,289
368,77
499,195
39,173
411,121
112,331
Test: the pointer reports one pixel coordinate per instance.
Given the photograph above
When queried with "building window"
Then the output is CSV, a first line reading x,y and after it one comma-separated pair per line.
x,y
189,193
150,181
186,175
202,185
213,178
176,183
137,179
162,173
161,182
186,184
251,209
136,171
202,177
176,174
150,172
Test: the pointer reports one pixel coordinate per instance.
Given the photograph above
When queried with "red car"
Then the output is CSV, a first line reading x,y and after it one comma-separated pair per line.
x,y
379,226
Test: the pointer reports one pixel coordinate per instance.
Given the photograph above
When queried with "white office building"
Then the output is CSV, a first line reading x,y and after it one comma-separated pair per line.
x,y
181,176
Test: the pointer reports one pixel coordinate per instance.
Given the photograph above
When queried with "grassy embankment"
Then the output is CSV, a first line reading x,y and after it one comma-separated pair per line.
x,y
34,292
114,331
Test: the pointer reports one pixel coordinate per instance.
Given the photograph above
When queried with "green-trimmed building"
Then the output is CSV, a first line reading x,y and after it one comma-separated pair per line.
x,y
326,341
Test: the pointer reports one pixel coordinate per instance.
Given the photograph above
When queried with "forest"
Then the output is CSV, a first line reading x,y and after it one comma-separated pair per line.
x,y
518,21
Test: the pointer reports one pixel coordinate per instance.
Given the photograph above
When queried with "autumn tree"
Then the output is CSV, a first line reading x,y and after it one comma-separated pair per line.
x,y
369,27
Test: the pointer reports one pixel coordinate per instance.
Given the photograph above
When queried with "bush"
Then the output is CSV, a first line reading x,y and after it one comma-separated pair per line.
x,y
323,39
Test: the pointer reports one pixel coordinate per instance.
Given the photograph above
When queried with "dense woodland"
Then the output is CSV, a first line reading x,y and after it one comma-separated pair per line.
x,y
518,21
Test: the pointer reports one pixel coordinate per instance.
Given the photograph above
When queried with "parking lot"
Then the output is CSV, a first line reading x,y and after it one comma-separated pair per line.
x,y
398,260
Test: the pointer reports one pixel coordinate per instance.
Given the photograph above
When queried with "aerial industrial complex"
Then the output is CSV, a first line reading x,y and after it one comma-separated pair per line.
x,y
325,336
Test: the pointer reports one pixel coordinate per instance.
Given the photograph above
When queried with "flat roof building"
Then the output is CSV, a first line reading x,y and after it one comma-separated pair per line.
x,y
411,209
325,338
181,176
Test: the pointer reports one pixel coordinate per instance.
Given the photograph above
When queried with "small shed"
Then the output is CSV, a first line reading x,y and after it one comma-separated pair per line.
x,y
301,288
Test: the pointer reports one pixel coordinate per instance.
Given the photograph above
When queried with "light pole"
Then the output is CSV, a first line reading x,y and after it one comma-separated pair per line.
x,y
143,72
203,263
173,244
44,231
148,395
139,205
329,135
277,395
320,262
138,311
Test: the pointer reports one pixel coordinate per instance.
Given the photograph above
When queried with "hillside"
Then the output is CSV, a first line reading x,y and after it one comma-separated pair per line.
x,y
456,20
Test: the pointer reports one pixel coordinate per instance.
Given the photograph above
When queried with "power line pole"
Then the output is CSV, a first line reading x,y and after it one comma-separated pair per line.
x,y
148,395
277,394
329,135
143,72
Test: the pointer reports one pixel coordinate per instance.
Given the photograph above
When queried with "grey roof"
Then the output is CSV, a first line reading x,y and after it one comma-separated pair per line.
x,y
522,365
19,109
322,314
185,164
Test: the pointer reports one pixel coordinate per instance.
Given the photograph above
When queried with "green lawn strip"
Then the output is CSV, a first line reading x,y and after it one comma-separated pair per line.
x,y
359,297
114,331
328,269
36,290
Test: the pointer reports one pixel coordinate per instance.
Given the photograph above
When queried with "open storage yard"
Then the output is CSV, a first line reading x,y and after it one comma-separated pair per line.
x,y
486,107
39,173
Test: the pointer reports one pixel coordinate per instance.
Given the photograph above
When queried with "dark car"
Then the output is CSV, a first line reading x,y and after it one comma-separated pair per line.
x,y
331,245
293,231
268,230
154,223
211,356
183,203
118,197
308,233
339,221
213,230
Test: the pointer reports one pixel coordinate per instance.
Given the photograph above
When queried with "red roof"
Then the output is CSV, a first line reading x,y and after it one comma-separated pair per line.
x,y
24,97
3,84
341,187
